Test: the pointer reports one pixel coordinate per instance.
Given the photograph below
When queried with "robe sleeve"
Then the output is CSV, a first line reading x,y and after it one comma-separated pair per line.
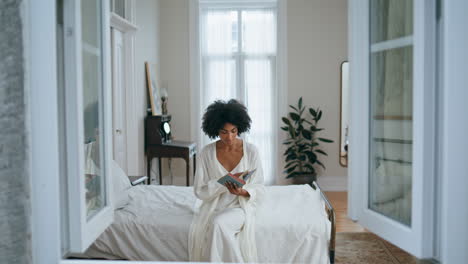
x,y
254,185
257,193
205,187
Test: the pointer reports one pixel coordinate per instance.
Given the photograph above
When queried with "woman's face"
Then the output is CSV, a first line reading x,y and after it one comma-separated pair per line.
x,y
228,134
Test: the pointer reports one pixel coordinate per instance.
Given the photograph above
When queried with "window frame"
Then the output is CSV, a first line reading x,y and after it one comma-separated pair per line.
x,y
129,12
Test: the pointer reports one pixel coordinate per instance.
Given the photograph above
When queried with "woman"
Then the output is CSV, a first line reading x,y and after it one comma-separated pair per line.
x,y
223,227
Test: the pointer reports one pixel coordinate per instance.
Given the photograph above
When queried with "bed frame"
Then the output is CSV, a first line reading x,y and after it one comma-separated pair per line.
x,y
331,216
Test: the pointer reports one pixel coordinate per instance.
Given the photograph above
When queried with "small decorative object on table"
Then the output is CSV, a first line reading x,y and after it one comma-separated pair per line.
x,y
303,144
164,97
158,129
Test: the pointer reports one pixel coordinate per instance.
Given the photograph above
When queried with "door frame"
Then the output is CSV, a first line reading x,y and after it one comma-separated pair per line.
x,y
453,178
119,106
40,84
128,30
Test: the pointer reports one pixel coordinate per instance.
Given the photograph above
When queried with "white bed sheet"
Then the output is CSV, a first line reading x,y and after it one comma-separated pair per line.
x,y
292,226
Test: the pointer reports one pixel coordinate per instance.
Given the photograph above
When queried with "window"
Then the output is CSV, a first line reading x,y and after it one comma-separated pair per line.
x,y
238,60
124,9
391,108
118,7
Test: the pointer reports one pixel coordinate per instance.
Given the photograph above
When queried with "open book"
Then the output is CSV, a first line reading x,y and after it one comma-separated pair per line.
x,y
238,181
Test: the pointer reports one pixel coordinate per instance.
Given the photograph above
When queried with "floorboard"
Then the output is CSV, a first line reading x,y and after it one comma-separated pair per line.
x,y
339,201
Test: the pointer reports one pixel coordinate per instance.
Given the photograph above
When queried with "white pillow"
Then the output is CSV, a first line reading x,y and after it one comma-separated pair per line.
x,y
120,186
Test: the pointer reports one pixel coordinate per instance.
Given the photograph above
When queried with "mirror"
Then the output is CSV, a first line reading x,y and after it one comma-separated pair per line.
x,y
344,114
153,89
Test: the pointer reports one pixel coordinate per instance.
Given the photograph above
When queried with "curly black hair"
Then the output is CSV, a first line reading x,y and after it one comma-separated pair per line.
x,y
221,112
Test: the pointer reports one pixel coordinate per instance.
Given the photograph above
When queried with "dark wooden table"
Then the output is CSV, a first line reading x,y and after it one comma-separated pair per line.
x,y
174,149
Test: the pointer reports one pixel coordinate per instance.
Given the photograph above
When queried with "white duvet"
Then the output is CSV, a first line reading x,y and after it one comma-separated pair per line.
x,y
291,226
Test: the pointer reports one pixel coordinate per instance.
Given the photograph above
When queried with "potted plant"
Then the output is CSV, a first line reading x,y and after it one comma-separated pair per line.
x,y
302,154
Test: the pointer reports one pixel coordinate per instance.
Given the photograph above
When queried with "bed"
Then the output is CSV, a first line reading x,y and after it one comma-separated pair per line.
x,y
154,225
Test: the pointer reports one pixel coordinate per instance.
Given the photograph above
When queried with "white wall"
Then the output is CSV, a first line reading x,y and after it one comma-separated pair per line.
x,y
317,44
175,64
175,76
146,49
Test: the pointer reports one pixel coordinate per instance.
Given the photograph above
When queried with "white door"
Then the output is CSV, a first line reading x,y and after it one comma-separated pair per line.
x,y
393,128
118,99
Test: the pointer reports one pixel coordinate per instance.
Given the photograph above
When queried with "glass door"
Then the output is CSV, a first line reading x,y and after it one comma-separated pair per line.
x,y
88,124
391,109
92,107
397,171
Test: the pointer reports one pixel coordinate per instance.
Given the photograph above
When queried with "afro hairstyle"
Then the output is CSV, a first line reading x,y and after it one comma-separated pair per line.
x,y
221,112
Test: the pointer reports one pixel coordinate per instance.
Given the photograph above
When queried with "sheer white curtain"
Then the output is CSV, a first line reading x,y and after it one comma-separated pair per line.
x,y
218,62
238,60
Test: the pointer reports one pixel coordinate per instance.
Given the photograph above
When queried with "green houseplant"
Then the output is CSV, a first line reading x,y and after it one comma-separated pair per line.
x,y
304,150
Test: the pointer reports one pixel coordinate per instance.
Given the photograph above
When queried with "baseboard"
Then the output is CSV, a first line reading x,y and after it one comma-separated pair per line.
x,y
333,183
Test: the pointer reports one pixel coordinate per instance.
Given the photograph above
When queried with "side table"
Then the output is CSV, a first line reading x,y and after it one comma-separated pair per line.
x,y
174,149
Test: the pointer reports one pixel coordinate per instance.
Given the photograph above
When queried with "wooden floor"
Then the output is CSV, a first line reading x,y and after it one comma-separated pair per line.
x,y
339,201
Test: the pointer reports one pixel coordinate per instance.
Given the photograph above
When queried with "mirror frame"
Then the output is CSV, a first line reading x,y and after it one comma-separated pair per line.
x,y
342,158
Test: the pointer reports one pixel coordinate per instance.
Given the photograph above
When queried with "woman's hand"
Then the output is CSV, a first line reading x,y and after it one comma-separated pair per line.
x,y
233,189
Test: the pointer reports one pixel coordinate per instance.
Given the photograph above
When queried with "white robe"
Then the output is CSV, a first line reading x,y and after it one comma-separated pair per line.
x,y
223,227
